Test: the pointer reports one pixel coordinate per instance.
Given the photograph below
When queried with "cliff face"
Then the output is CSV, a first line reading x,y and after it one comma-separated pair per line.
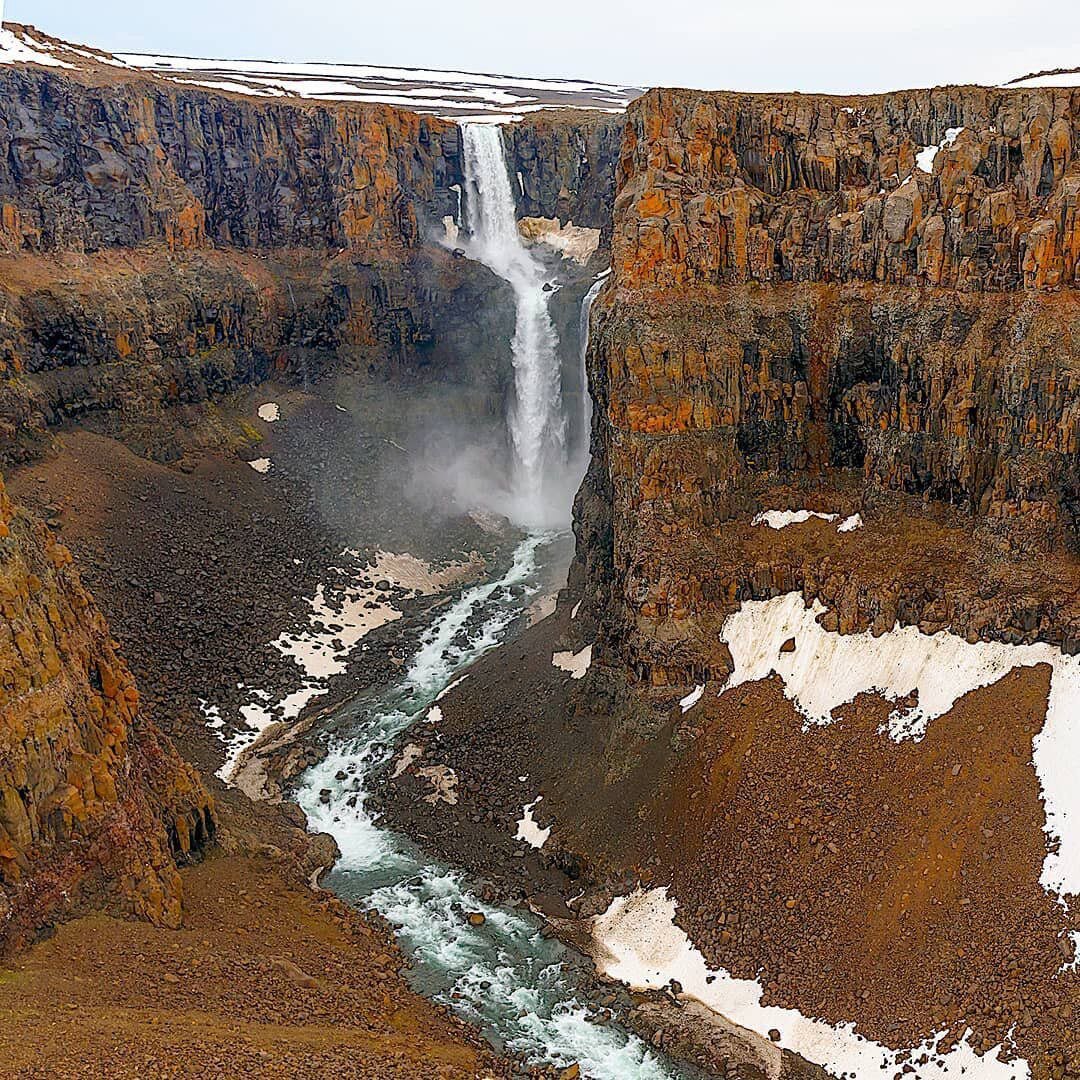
x,y
161,244
721,188
128,333
91,166
565,166
794,303
93,800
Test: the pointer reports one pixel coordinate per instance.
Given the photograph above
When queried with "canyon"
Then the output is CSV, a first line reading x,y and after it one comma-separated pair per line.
x,y
785,745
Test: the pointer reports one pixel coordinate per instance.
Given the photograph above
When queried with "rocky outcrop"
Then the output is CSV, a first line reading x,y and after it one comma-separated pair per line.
x,y
564,165
95,805
127,334
162,244
970,188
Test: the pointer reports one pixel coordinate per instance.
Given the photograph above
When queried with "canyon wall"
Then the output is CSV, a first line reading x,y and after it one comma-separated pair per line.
x,y
160,244
138,160
796,301
95,805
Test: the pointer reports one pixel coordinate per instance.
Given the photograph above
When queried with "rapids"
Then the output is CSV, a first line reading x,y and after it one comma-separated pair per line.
x,y
520,988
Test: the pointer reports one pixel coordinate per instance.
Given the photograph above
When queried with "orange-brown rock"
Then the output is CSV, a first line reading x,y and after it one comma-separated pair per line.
x,y
90,163
794,301
728,188
95,805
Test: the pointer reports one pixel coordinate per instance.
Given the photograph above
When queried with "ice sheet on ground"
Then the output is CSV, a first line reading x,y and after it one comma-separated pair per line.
x,y
638,943
830,669
576,664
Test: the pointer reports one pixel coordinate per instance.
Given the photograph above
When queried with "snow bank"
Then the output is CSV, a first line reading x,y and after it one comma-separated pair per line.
x,y
527,828
465,96
781,519
637,942
23,49
924,159
691,699
1062,78
828,669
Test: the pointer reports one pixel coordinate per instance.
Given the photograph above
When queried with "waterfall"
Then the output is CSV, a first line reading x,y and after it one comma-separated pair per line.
x,y
541,493
581,450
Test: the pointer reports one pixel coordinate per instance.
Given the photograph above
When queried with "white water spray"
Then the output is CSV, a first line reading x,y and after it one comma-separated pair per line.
x,y
541,492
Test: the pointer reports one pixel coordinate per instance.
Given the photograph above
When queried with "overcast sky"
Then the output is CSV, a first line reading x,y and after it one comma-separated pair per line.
x,y
817,45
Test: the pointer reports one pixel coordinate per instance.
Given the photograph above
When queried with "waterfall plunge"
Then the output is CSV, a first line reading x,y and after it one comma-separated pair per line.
x,y
581,449
543,481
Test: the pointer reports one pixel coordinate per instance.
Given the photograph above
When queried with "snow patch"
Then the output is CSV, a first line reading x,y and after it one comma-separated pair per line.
x,y
830,669
261,465
269,412
443,781
781,519
212,715
527,828
691,699
23,49
450,686
850,524
412,753
464,96
1062,78
637,942
341,612
924,159
574,663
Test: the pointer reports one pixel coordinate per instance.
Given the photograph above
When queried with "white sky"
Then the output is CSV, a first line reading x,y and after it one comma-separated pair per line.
x,y
818,45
